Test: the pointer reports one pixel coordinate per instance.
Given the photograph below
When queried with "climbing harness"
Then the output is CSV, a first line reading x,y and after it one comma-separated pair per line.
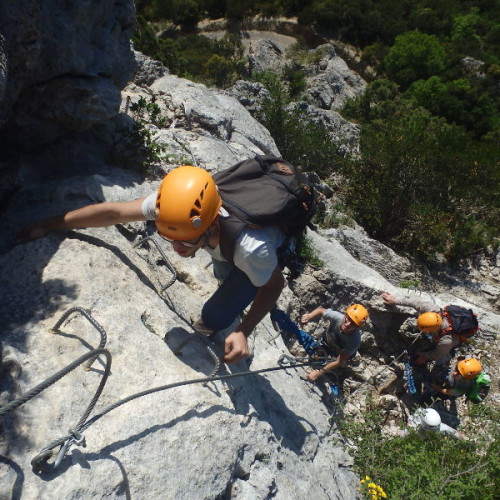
x,y
155,242
75,436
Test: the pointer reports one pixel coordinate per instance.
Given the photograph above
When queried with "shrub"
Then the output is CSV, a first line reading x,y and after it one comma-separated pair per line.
x,y
306,251
137,148
424,186
301,141
164,50
425,467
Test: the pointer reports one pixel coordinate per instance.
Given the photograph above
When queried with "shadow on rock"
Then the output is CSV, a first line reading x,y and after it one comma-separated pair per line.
x,y
84,459
256,398
198,353
7,479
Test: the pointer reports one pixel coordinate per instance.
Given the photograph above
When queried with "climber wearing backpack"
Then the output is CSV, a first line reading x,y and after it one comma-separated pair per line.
x,y
190,213
448,326
467,378
343,336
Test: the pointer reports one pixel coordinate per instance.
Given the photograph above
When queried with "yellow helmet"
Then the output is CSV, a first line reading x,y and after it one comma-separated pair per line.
x,y
188,202
469,368
429,322
357,313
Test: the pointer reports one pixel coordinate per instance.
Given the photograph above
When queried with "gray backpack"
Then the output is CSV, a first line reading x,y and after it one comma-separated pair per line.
x,y
263,191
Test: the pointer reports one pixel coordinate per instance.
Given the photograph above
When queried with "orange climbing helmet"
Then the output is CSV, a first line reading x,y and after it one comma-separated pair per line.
x,y
470,367
429,322
357,313
187,202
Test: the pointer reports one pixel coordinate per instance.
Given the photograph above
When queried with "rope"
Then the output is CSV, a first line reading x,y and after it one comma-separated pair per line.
x,y
164,257
203,380
75,436
59,375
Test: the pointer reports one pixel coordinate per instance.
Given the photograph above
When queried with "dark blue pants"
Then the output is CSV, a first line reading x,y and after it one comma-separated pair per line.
x,y
234,294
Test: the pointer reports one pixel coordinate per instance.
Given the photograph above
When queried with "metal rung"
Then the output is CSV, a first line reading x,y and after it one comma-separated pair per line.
x,y
92,321
164,257
203,340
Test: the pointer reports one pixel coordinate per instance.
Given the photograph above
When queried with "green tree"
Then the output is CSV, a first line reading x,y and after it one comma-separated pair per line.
x,y
434,17
465,33
164,50
415,56
214,9
183,12
460,101
219,69
238,9
379,101
423,185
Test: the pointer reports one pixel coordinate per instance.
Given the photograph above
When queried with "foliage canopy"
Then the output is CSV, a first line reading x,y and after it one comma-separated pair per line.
x,y
426,180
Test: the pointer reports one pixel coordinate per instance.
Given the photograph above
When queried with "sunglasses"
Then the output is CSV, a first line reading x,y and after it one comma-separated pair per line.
x,y
187,244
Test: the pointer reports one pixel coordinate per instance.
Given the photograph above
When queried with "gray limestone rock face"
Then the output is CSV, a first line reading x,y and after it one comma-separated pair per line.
x,y
245,437
148,70
216,113
345,133
62,65
372,253
265,55
333,82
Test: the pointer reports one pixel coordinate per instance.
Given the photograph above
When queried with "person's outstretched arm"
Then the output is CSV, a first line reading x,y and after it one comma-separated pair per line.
x,y
98,215
236,345
305,318
420,305
340,360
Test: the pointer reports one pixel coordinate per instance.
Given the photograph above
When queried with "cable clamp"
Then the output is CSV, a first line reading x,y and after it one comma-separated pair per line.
x,y
285,359
75,438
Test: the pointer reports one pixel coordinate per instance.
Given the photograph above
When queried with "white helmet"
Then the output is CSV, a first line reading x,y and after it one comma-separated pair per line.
x,y
430,420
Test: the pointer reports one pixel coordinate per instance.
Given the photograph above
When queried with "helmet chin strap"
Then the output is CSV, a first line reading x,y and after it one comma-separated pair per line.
x,y
205,239
212,235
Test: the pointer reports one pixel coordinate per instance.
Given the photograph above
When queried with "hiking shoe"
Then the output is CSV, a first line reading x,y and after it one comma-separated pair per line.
x,y
203,329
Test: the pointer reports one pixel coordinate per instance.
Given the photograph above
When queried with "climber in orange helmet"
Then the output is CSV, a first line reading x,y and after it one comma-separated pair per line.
x,y
187,210
343,336
447,326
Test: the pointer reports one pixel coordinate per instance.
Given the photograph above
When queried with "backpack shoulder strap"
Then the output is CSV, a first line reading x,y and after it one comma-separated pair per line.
x,y
230,228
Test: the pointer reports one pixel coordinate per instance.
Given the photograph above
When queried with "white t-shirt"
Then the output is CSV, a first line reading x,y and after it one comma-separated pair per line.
x,y
254,252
